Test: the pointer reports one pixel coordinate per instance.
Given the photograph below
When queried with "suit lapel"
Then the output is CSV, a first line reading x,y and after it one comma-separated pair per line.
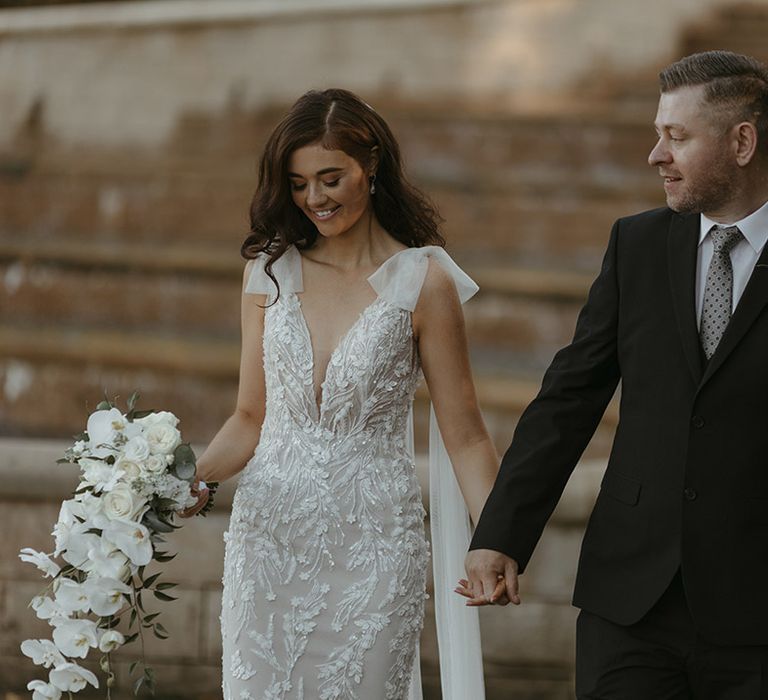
x,y
682,248
752,301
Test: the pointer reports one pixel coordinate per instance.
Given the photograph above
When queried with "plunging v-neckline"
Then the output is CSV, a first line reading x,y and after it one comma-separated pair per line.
x,y
319,400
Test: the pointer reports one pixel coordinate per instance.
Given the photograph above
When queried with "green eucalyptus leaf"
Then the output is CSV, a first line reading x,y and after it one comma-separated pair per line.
x,y
185,471
153,521
149,581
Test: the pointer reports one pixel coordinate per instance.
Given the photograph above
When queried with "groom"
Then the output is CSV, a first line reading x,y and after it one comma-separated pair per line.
x,y
673,575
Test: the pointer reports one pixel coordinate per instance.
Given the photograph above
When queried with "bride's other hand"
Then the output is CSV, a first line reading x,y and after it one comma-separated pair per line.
x,y
487,570
499,594
202,498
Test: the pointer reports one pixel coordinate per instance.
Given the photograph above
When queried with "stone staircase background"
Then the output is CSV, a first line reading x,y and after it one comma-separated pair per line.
x,y
120,270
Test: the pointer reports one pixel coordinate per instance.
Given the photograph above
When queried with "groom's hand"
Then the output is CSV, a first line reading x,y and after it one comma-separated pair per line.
x,y
492,579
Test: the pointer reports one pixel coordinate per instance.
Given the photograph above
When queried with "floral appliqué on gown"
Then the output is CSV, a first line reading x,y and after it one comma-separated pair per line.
x,y
326,555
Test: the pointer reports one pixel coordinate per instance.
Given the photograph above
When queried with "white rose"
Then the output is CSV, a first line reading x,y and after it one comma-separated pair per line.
x,y
156,418
156,464
163,439
136,449
43,691
131,469
122,502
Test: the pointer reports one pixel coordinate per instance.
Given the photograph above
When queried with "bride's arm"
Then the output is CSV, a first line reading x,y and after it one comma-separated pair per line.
x,y
438,323
234,444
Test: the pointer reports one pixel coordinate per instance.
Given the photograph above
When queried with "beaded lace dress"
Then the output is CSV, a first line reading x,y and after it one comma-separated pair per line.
x,y
326,556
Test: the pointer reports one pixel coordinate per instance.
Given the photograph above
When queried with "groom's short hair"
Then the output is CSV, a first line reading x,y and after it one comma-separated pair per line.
x,y
735,85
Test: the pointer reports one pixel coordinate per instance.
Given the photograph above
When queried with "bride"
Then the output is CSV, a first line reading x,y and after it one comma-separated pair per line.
x,y
348,297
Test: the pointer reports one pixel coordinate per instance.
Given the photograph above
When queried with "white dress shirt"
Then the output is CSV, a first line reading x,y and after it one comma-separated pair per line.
x,y
744,254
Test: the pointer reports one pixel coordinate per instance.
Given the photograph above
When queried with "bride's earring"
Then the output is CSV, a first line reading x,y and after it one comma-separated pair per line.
x,y
372,180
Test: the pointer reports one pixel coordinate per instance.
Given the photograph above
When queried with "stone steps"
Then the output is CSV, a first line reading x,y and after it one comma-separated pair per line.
x,y
568,177
54,376
522,315
741,27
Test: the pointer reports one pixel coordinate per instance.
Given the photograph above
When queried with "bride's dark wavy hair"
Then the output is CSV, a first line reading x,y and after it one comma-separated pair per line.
x,y
338,120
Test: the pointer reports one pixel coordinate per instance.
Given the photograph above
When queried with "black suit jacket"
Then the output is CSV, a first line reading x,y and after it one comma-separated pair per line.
x,y
687,481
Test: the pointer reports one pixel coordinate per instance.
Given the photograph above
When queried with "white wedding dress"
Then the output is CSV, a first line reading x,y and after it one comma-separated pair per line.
x,y
326,556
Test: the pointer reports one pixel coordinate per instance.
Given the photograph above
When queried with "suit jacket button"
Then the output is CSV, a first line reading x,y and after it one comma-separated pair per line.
x,y
690,494
698,422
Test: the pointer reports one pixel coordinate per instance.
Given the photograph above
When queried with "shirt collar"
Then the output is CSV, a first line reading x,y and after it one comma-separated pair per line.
x,y
753,227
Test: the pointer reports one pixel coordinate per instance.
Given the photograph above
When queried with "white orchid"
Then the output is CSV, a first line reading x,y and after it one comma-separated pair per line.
x,y
132,539
105,595
47,609
74,638
40,560
43,691
71,596
109,562
76,543
70,515
104,429
43,652
92,510
72,678
70,511
110,640
99,474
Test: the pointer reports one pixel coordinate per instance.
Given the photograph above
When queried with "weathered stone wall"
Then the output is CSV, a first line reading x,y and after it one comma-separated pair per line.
x,y
127,72
128,136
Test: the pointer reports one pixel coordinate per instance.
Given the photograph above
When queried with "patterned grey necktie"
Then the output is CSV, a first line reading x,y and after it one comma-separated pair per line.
x,y
718,289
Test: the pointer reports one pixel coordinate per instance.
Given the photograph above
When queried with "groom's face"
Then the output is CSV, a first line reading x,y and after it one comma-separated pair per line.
x,y
694,153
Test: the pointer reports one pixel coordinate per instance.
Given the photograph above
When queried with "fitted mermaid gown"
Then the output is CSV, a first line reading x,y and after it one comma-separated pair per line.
x,y
326,556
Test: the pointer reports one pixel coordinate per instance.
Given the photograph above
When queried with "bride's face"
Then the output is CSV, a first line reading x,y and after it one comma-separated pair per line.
x,y
330,187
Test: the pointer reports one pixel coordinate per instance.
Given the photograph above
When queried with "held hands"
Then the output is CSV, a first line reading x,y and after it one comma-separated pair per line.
x,y
203,494
492,579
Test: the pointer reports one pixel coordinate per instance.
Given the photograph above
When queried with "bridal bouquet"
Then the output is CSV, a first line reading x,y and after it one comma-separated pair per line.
x,y
136,473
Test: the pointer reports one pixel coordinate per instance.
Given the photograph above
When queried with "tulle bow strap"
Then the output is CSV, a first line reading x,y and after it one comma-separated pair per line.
x,y
400,279
286,269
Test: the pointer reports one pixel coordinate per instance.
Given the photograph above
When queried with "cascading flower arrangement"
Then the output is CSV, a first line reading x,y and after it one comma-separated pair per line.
x,y
136,474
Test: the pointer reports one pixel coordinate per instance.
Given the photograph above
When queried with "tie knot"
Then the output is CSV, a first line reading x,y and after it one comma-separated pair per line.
x,y
725,237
